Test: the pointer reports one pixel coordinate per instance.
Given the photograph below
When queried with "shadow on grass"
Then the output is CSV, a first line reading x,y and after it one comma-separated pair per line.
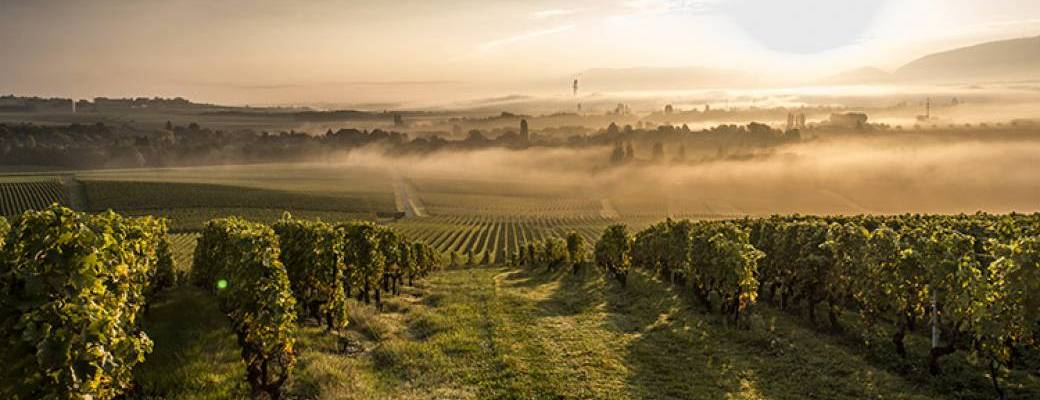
x,y
678,350
196,355
961,377
530,277
574,293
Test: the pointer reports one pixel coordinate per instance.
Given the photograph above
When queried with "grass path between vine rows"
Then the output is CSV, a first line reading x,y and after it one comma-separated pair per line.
x,y
503,332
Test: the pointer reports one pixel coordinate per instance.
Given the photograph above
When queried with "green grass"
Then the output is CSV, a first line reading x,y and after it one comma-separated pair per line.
x,y
494,333
196,355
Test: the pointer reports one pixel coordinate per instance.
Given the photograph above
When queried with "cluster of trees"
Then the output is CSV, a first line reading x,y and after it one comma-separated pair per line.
x,y
265,277
9,103
73,289
102,146
554,253
669,143
971,282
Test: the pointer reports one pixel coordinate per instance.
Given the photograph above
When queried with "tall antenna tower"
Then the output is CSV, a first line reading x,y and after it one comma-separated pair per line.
x,y
927,111
574,89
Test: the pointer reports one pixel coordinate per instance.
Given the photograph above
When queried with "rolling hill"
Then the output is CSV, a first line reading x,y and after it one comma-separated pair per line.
x,y
1015,59
1003,60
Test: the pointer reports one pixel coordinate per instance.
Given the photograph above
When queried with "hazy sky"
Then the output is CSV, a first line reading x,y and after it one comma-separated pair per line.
x,y
341,51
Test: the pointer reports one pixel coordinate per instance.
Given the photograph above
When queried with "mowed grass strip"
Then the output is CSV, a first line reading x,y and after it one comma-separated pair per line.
x,y
196,355
504,333
507,333
648,342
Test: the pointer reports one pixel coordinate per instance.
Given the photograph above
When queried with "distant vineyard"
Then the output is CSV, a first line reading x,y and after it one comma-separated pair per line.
x,y
183,248
482,204
491,239
18,195
136,195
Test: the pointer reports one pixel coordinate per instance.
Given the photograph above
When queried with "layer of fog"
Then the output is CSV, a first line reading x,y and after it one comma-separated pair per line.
x,y
886,174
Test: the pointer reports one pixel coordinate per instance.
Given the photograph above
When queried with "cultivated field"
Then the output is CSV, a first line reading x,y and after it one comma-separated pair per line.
x,y
20,193
496,324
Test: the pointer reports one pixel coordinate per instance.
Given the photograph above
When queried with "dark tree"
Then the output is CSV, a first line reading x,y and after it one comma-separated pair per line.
x,y
658,151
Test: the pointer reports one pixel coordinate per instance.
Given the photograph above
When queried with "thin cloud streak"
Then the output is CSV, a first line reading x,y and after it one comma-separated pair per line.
x,y
284,86
495,44
553,13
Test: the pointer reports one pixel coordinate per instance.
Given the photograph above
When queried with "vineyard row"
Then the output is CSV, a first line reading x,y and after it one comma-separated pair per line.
x,y
973,282
81,283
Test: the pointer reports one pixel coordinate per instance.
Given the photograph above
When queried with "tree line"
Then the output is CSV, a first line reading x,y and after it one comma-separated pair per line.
x,y
81,146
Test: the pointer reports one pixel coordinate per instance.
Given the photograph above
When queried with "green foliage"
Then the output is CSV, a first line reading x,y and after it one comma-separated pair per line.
x,y
663,248
550,253
1008,315
555,253
871,267
971,279
72,289
312,253
708,257
613,252
239,262
4,228
363,257
576,251
424,260
968,276
723,261
531,256
395,253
